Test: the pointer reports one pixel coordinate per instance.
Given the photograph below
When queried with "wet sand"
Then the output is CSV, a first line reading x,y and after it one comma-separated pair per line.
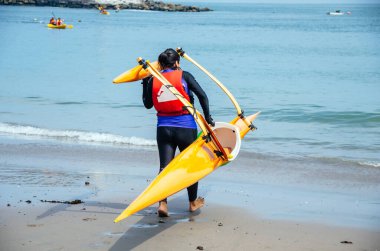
x,y
62,227
255,203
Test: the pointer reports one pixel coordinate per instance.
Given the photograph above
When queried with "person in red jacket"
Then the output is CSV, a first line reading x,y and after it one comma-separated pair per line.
x,y
52,21
175,126
59,21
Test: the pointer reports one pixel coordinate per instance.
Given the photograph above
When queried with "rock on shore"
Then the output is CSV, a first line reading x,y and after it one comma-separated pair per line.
x,y
115,4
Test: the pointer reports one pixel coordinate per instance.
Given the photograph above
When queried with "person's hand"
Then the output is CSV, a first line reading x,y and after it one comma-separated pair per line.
x,y
210,121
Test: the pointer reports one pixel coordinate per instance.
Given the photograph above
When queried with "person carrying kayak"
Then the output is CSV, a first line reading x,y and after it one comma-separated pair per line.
x,y
176,127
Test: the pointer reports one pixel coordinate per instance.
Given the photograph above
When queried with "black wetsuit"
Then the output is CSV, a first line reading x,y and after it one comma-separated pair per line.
x,y
170,137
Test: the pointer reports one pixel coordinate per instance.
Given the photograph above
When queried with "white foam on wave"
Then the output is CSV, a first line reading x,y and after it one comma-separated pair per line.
x,y
370,163
73,135
346,161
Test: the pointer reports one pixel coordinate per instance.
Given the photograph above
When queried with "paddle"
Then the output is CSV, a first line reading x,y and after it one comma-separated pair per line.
x,y
207,131
53,15
240,112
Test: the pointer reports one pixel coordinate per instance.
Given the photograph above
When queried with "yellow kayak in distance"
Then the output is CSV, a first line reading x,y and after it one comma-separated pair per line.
x,y
104,12
62,26
134,74
191,165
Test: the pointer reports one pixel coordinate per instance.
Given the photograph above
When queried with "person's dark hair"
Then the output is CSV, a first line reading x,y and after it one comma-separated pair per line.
x,y
168,58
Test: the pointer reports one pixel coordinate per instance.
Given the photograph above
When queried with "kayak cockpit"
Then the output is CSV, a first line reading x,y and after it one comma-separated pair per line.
x,y
229,137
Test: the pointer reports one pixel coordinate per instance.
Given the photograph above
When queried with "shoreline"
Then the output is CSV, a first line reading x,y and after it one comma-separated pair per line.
x,y
253,181
251,203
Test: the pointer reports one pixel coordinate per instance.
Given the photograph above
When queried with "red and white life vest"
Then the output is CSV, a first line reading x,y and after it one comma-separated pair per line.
x,y
165,102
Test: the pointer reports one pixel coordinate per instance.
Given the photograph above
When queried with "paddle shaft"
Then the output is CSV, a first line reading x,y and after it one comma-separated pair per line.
x,y
229,94
207,131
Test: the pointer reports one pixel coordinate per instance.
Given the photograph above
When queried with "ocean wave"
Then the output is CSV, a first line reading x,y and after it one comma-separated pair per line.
x,y
73,135
309,160
342,118
70,103
340,161
369,163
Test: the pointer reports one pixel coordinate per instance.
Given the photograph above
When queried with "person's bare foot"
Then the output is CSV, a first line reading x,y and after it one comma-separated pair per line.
x,y
196,204
163,209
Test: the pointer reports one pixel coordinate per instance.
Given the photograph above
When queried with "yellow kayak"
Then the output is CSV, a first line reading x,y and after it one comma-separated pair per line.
x,y
191,165
104,12
62,26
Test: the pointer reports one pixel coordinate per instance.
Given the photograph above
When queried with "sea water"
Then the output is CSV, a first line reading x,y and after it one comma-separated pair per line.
x,y
315,78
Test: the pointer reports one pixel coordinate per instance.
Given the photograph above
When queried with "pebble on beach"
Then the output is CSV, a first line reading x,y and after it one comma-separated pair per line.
x,y
346,242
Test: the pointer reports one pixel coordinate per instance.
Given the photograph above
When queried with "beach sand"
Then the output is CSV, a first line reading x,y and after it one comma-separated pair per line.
x,y
255,203
62,227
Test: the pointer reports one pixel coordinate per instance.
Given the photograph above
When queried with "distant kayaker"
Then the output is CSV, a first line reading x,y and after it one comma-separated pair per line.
x,y
175,126
59,21
52,21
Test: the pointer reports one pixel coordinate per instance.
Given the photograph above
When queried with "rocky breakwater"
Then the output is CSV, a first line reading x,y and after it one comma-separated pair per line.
x,y
161,6
121,4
